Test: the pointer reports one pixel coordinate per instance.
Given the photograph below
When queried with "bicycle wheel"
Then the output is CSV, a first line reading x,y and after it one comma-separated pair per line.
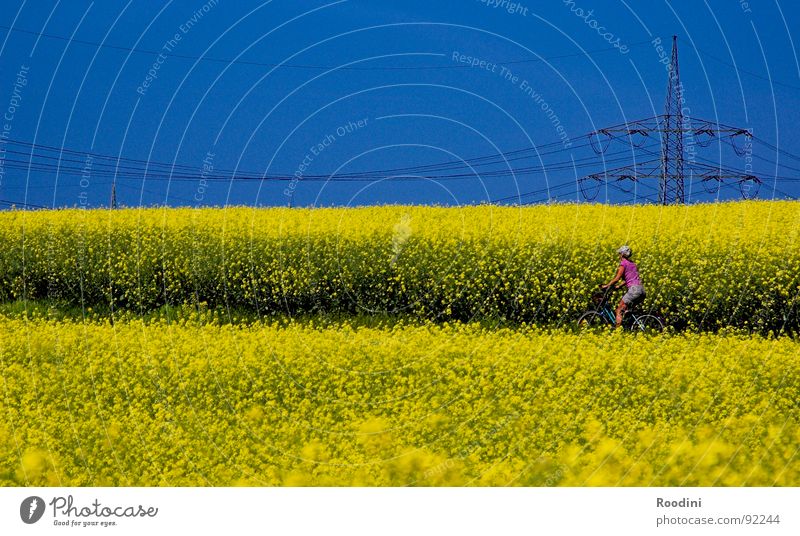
x,y
592,321
647,324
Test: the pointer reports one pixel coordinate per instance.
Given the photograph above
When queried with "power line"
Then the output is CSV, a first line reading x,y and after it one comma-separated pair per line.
x,y
547,190
20,203
110,170
47,158
137,164
138,170
776,149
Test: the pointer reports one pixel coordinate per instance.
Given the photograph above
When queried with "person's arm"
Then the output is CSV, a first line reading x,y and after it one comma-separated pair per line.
x,y
620,271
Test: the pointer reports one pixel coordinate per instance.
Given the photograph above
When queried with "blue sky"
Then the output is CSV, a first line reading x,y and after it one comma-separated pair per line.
x,y
376,85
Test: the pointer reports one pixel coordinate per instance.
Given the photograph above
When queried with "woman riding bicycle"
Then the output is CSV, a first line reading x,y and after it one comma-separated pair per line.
x,y
630,273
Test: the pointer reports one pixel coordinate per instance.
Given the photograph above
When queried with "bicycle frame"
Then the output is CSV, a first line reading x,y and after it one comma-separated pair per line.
x,y
607,312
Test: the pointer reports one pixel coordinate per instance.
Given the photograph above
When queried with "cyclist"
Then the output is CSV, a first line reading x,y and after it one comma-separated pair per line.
x,y
628,272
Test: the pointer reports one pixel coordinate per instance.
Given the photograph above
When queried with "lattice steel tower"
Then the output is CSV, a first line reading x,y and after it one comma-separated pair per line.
x,y
671,186
670,167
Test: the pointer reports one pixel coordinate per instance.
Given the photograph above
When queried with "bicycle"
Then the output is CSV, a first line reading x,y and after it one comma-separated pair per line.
x,y
603,316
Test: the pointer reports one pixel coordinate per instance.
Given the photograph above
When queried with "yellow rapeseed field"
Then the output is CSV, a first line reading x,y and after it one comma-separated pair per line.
x,y
199,403
704,266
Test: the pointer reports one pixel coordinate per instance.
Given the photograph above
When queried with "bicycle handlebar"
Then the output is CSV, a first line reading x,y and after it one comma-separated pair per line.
x,y
606,289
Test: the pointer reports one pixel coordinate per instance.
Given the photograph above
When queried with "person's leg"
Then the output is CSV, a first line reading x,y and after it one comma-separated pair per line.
x,y
621,308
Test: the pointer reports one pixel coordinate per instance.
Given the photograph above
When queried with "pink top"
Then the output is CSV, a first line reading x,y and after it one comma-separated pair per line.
x,y
631,273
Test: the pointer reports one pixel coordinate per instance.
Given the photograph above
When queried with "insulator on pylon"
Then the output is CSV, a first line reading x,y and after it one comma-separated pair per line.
x,y
626,183
732,141
749,187
590,187
711,184
597,146
698,135
643,135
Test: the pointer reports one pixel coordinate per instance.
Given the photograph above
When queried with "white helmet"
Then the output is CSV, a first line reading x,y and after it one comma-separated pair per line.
x,y
625,251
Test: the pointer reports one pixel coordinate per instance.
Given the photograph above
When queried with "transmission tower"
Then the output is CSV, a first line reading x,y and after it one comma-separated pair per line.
x,y
670,188
669,167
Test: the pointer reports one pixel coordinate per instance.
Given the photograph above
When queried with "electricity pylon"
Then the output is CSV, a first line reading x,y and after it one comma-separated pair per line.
x,y
673,128
670,189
